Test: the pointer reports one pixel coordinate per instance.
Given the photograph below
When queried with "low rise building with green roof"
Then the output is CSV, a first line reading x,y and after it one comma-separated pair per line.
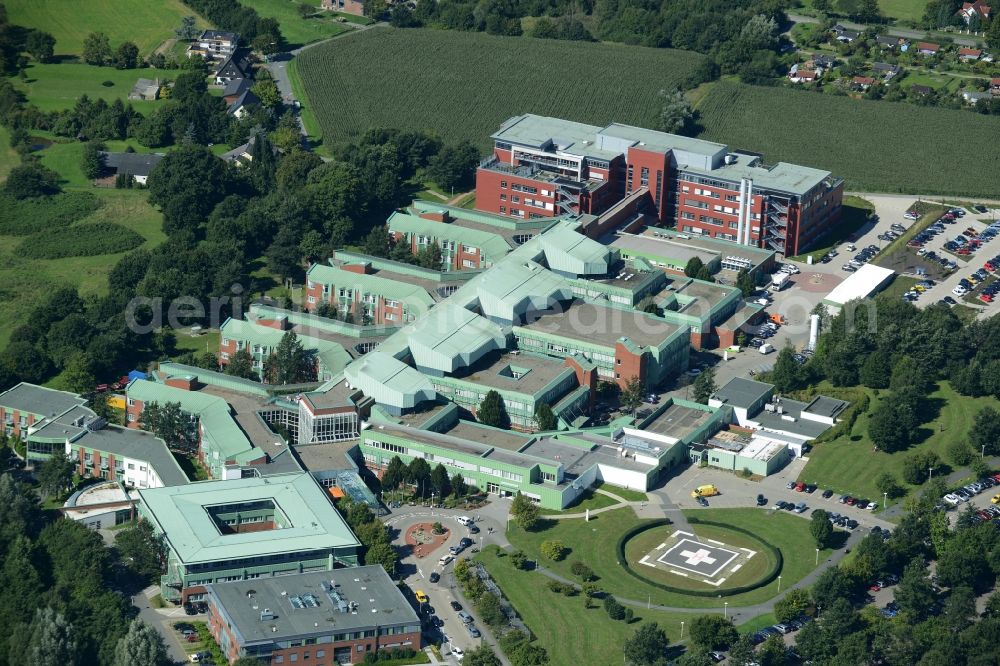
x,y
365,297
262,337
462,247
25,408
247,528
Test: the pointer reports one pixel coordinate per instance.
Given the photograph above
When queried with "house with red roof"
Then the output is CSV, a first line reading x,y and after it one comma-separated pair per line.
x,y
995,86
928,48
969,54
977,8
862,82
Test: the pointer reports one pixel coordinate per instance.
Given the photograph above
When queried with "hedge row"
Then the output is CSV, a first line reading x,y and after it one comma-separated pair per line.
x,y
22,217
86,240
728,592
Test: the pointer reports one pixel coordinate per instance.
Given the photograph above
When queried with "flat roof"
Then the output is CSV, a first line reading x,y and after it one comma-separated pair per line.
x,y
650,246
578,459
44,402
678,421
522,373
545,133
791,420
337,601
404,291
707,291
825,406
180,512
742,392
662,141
325,457
784,177
860,284
602,325
504,439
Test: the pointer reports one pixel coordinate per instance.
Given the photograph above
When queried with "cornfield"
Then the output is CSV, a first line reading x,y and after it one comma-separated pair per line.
x,y
874,145
463,85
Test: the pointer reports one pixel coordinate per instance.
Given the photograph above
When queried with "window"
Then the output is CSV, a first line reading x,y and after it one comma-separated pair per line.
x,y
225,343
131,419
515,198
503,209
503,184
503,197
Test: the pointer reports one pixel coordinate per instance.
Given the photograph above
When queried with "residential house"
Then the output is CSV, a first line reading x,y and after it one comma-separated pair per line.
x,y
823,61
928,48
233,67
971,98
995,86
886,71
971,10
887,42
242,104
137,165
214,44
235,88
862,82
800,74
969,55
845,35
355,7
922,90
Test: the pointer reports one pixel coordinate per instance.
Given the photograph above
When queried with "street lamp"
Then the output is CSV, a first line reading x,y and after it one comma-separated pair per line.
x,y
725,609
779,583
885,500
930,473
817,557
682,630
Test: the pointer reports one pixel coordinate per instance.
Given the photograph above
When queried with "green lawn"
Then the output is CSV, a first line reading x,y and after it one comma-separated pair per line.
x,y
25,281
856,211
53,87
588,500
907,10
849,464
143,22
572,635
295,29
8,157
594,543
206,342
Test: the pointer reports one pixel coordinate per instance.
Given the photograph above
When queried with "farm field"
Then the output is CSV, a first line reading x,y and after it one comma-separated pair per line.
x,y
849,464
905,10
875,145
595,542
25,280
452,88
571,634
54,87
295,29
145,23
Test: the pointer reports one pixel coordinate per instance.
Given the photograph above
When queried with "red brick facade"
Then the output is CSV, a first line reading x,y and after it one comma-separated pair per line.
x,y
628,365
13,417
383,311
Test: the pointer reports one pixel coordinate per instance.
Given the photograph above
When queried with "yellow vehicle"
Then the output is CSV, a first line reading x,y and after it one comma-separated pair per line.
x,y
996,499
705,491
920,288
421,597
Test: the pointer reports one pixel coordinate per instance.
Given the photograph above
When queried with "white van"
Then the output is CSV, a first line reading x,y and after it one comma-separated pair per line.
x,y
465,520
445,560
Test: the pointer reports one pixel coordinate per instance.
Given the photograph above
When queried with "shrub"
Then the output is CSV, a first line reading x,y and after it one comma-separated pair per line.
x,y
518,559
108,84
437,528
564,589
82,241
553,550
22,217
582,571
614,609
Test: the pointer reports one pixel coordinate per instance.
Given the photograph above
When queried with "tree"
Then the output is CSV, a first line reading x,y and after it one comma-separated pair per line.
x,y
553,549
632,394
188,29
241,365
795,603
430,256
142,550
742,653
960,453
868,11
263,163
839,619
492,411
985,429
56,474
41,45
126,56
711,632
582,571
418,473
787,373
51,641
745,283
439,481
813,643
186,185
692,267
170,424
704,386
382,554
823,6
378,242
294,169
820,528
891,425
647,646
676,111
141,645
458,485
525,512
481,656
454,166
92,161
914,593
490,610
959,609
289,363
268,94
544,417
887,483
394,474
96,49
613,608
31,180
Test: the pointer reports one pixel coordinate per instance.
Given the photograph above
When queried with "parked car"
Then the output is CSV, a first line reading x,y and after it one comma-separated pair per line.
x,y
434,577
761,500
800,507
473,630
827,494
455,606
465,617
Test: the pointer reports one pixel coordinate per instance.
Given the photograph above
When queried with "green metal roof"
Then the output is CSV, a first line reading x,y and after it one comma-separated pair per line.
x,y
332,355
389,381
372,284
510,292
180,513
480,217
492,245
572,252
325,324
451,337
